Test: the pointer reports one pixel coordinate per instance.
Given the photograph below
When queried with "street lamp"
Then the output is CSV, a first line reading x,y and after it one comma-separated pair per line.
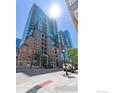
x,y
63,51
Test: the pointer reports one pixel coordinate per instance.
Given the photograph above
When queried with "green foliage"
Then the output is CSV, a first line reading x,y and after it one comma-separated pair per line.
x,y
73,54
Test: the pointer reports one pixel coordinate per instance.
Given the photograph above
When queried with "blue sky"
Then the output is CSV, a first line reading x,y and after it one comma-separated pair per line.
x,y
64,21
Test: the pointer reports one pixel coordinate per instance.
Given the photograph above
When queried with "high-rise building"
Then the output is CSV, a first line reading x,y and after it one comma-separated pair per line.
x,y
65,39
37,19
73,9
44,33
65,42
54,27
18,41
17,48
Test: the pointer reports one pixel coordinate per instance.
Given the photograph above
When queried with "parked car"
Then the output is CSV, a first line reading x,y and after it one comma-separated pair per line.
x,y
69,67
76,66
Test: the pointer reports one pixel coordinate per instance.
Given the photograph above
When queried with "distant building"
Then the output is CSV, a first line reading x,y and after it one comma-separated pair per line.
x,y
66,43
65,39
73,9
18,41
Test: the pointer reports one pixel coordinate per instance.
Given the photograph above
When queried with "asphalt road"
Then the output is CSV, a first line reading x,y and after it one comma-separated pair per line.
x,y
33,72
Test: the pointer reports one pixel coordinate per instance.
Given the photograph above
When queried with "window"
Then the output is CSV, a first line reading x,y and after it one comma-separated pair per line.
x,y
24,49
21,63
30,50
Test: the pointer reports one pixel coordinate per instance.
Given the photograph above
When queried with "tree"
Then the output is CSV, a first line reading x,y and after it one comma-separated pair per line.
x,y
73,54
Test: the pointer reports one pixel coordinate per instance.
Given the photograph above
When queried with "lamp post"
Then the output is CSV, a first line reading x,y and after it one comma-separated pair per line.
x,y
63,51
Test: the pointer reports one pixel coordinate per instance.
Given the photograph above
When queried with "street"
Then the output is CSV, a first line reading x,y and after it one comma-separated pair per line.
x,y
55,82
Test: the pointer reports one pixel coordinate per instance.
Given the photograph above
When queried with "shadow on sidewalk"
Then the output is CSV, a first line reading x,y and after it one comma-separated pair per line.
x,y
33,72
69,76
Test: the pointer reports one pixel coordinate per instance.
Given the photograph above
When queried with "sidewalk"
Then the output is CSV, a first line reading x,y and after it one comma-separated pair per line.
x,y
62,85
54,83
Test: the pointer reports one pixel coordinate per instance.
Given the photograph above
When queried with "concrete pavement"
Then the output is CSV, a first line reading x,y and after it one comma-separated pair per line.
x,y
54,82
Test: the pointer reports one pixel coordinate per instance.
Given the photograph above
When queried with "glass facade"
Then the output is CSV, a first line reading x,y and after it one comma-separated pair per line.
x,y
67,38
18,42
36,19
65,42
